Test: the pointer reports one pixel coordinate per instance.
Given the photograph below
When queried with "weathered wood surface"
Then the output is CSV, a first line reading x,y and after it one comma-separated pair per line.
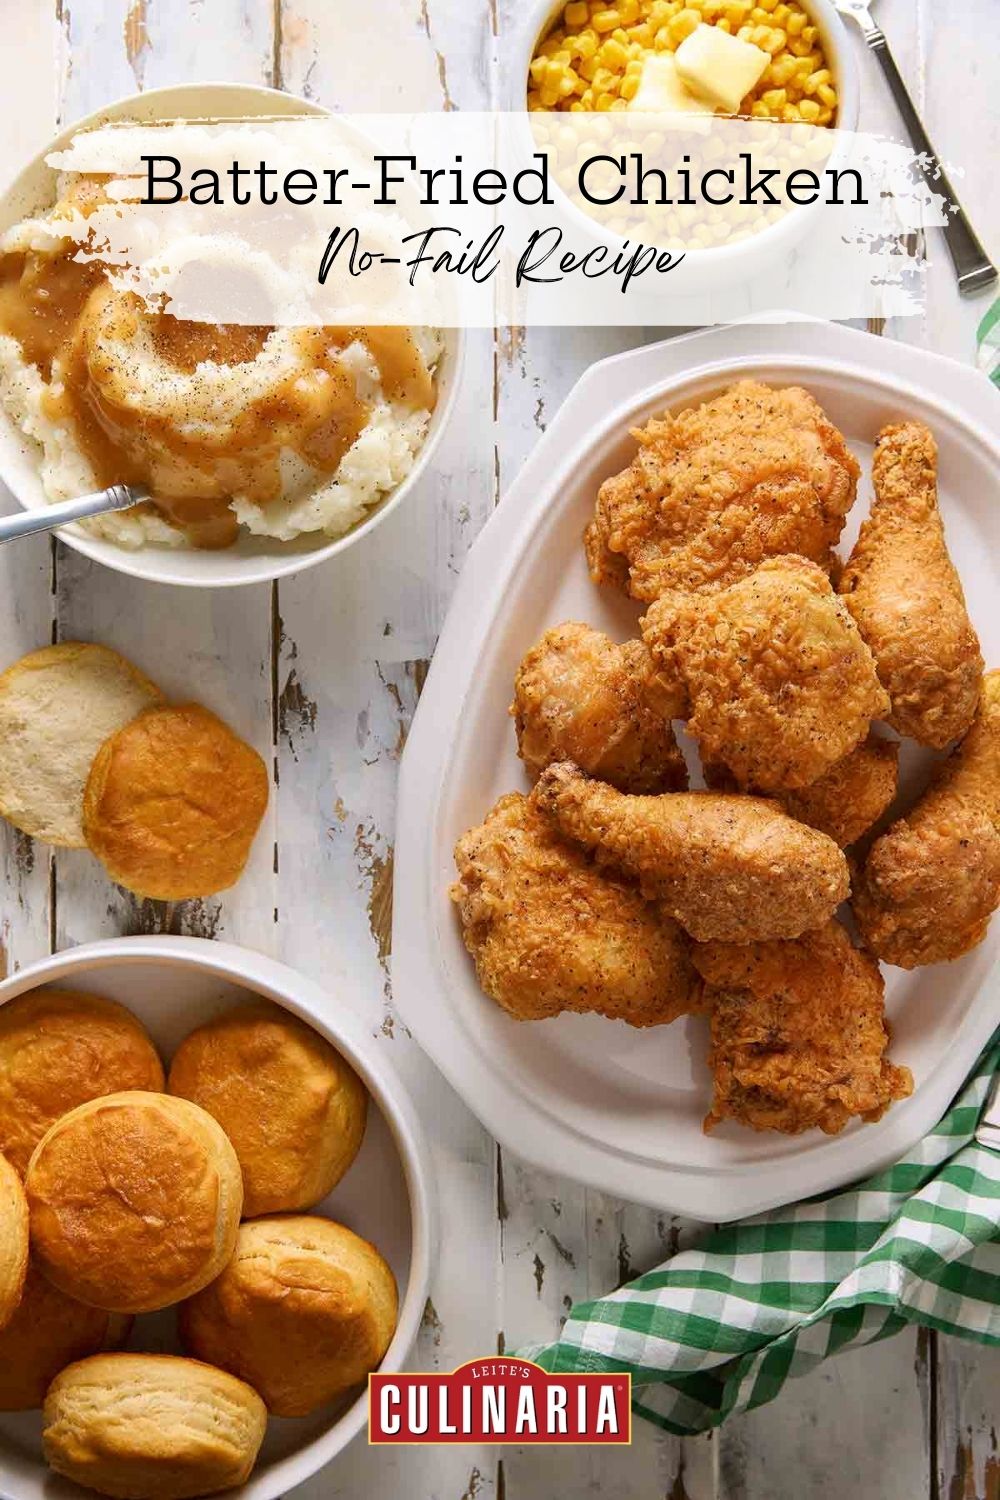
x,y
322,674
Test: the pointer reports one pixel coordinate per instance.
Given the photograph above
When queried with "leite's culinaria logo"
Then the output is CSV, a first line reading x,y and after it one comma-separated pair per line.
x,y
499,1400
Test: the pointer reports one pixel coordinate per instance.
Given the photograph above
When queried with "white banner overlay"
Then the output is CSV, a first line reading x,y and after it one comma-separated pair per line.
x,y
478,220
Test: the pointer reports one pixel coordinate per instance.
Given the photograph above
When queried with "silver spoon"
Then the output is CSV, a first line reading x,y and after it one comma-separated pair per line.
x,y
974,268
116,497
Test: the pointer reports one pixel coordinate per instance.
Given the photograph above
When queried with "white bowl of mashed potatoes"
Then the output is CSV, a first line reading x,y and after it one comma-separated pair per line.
x,y
266,450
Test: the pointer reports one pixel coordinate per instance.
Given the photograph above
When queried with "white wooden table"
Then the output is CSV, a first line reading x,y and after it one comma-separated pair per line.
x,y
323,673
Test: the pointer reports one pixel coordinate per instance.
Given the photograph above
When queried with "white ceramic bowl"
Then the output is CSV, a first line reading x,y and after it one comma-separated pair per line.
x,y
250,559
174,984
738,262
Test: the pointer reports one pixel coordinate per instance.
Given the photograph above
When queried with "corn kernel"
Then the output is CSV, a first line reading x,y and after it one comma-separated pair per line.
x,y
683,24
795,23
774,98
538,69
775,42
630,87
605,20
588,43
613,55
809,110
826,95
577,13
629,11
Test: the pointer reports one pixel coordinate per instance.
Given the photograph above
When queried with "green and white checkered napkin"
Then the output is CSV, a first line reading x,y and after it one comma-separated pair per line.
x,y
720,1329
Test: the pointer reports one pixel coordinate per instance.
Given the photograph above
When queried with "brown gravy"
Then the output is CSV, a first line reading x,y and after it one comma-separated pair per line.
x,y
60,309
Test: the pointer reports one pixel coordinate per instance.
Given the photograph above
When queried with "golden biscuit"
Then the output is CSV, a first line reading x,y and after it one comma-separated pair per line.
x,y
172,804
59,1048
57,707
47,1332
303,1311
292,1107
151,1427
13,1241
135,1201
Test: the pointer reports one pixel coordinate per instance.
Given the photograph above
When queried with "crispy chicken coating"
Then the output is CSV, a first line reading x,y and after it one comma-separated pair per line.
x,y
733,868
846,801
932,881
578,696
550,932
902,589
798,1034
718,488
780,684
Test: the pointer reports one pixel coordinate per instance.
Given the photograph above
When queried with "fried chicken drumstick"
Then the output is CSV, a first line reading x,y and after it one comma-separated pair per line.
x,y
798,1033
718,488
733,868
932,881
550,932
578,696
902,589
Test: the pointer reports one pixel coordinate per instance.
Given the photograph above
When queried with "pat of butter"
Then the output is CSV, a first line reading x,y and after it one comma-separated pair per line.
x,y
718,67
661,92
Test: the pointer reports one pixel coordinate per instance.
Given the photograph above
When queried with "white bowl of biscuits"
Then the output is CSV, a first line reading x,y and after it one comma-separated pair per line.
x,y
214,1223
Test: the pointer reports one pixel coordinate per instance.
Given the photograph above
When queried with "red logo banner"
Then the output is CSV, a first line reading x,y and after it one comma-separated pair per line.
x,y
498,1400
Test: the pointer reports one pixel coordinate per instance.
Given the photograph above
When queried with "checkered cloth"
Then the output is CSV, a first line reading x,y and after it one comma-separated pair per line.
x,y
988,343
720,1329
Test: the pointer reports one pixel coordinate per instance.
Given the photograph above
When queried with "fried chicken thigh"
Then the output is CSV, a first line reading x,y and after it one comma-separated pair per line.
x,y
551,932
902,589
847,800
578,696
734,868
932,881
718,488
780,684
798,1034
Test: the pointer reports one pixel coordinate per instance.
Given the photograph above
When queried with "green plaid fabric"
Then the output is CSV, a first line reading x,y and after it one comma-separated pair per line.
x,y
720,1329
988,343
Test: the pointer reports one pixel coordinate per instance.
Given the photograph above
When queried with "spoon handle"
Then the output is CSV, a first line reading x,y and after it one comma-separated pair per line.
x,y
973,266
23,523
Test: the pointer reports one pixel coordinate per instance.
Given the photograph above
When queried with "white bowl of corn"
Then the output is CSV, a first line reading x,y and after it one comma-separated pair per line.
x,y
583,57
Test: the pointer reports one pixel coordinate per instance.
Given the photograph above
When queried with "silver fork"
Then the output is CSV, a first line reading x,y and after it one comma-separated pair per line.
x,y
973,266
47,517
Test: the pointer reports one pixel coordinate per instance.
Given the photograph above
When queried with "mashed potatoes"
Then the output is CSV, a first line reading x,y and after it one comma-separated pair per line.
x,y
281,431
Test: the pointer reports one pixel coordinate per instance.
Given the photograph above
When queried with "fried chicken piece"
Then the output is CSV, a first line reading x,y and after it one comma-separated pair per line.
x,y
579,697
550,932
846,801
734,868
932,881
798,1034
780,684
718,488
902,588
